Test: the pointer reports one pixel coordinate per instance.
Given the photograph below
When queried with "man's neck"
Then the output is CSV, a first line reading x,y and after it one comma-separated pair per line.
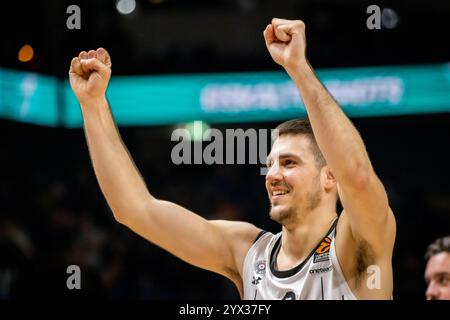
x,y
300,238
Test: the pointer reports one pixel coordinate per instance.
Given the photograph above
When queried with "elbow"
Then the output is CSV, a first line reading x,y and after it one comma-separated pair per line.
x,y
130,213
120,217
122,214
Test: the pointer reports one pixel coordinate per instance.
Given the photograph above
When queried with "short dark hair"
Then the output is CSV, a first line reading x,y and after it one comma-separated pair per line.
x,y
302,126
438,246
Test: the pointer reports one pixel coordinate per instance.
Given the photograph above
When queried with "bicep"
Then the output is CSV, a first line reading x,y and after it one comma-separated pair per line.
x,y
188,236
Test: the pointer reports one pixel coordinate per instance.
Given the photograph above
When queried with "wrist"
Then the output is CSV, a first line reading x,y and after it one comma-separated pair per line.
x,y
90,102
299,70
94,106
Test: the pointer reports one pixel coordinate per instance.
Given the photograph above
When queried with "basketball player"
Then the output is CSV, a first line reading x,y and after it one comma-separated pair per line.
x,y
316,255
437,272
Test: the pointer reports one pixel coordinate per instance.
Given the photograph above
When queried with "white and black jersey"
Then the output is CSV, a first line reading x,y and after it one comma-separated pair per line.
x,y
319,277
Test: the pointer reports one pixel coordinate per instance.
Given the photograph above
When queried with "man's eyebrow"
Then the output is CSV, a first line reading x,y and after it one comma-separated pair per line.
x,y
290,155
285,155
443,273
439,274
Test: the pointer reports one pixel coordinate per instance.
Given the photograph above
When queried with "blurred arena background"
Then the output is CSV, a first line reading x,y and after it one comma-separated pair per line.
x,y
52,213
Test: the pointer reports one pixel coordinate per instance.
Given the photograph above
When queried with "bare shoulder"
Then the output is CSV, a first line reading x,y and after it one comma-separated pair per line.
x,y
239,236
237,230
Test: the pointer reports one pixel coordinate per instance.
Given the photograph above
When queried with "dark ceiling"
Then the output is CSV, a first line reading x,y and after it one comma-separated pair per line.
x,y
178,36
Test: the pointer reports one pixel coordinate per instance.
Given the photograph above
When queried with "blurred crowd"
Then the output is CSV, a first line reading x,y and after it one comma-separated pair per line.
x,y
52,214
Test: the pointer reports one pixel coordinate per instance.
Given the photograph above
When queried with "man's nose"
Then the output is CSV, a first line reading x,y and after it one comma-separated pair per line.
x,y
274,173
432,292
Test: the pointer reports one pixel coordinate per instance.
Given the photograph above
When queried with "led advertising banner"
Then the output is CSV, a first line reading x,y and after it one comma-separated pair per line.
x,y
228,97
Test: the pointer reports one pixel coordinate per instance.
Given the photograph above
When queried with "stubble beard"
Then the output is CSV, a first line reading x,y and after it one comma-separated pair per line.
x,y
290,214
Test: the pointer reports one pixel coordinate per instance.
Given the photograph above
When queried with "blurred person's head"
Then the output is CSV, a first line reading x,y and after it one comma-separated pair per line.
x,y
298,178
437,272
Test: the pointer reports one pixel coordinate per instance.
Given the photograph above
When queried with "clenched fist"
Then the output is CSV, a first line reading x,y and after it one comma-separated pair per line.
x,y
89,74
286,42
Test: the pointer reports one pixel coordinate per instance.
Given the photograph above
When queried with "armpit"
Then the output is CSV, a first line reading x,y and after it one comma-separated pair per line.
x,y
364,258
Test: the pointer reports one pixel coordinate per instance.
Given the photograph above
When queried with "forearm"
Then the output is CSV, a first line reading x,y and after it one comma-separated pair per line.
x,y
338,139
117,175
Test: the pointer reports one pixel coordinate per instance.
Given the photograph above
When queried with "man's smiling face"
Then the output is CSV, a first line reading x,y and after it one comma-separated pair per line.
x,y
293,179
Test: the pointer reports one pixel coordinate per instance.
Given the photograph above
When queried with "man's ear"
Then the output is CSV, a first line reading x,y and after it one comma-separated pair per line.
x,y
329,181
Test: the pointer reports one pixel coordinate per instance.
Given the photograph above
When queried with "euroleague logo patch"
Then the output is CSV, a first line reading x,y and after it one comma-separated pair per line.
x,y
260,267
323,251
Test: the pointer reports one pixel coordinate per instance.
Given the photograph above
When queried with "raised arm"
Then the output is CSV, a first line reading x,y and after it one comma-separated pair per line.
x,y
362,194
218,246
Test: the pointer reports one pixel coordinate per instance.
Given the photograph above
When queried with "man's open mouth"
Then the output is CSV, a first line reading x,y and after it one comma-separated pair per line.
x,y
276,194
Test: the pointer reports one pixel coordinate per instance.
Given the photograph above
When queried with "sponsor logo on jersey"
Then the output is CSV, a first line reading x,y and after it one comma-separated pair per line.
x,y
323,251
260,267
320,270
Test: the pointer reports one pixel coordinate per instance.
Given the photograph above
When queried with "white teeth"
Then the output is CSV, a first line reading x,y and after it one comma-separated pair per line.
x,y
277,193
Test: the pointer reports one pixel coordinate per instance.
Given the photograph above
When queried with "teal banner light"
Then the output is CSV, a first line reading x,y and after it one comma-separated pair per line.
x,y
229,97
28,97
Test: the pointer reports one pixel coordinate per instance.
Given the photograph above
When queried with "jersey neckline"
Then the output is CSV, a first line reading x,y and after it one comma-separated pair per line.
x,y
289,273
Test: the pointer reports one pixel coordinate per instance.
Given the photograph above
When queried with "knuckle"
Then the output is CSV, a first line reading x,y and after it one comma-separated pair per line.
x,y
300,23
